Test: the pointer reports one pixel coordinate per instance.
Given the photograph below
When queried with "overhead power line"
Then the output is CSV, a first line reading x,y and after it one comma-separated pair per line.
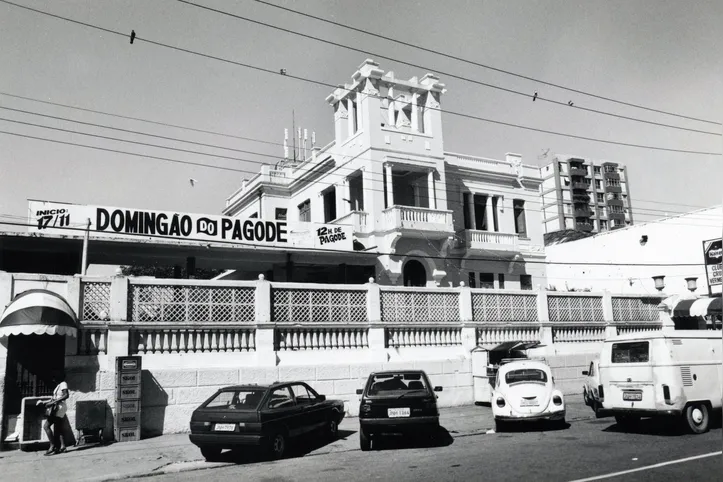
x,y
165,124
192,129
343,171
120,152
329,85
133,132
478,64
448,74
374,253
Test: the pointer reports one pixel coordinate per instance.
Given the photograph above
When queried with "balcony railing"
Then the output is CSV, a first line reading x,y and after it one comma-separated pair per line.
x,y
578,171
580,185
357,219
475,239
412,217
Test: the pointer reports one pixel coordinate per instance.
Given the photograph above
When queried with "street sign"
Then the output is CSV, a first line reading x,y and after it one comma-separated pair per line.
x,y
713,256
127,412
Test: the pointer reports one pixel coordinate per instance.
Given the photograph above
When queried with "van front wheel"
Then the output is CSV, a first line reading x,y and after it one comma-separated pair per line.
x,y
697,418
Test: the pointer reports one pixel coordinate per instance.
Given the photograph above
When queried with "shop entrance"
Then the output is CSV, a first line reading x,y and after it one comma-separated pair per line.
x,y
31,361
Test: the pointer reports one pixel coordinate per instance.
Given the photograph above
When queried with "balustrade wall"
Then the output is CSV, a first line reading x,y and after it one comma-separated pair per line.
x,y
196,336
192,316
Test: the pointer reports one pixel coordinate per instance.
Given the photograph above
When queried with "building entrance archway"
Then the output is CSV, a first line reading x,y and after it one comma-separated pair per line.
x,y
415,274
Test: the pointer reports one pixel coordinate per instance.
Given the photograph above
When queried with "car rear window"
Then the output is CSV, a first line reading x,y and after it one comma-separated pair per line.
x,y
525,375
397,382
237,399
631,352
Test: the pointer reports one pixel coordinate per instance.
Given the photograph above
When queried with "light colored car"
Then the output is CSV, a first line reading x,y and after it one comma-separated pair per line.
x,y
525,391
590,388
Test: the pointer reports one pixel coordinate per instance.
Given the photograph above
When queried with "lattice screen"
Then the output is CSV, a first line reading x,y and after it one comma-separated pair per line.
x,y
419,307
198,304
575,308
500,307
636,309
96,301
301,305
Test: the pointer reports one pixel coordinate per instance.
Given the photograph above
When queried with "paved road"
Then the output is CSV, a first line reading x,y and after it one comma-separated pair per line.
x,y
586,449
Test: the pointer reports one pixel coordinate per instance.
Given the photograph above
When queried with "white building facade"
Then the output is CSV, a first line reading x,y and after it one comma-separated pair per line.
x,y
673,246
433,218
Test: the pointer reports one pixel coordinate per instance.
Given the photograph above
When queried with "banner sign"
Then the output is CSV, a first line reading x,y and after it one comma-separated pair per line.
x,y
713,256
112,222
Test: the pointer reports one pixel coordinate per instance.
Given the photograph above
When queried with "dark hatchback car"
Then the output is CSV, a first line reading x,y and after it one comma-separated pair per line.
x,y
401,401
265,416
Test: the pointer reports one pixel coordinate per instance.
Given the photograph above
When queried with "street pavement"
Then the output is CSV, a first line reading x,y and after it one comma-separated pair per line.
x,y
586,450
588,447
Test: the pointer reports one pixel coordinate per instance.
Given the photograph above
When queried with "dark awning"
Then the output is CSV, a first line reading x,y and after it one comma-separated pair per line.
x,y
516,346
38,312
698,307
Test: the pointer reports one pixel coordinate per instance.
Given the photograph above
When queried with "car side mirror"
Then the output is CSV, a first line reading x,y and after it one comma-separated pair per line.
x,y
437,389
321,398
585,372
359,391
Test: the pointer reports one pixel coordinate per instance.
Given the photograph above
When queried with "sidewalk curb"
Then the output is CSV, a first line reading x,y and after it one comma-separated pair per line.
x,y
200,464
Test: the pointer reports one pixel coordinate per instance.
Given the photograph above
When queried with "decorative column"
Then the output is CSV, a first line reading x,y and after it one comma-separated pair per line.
x,y
489,214
265,353
390,186
390,107
470,208
377,335
415,114
352,115
607,306
430,188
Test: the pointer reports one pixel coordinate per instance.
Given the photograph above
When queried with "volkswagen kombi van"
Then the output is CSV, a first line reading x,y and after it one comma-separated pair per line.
x,y
650,374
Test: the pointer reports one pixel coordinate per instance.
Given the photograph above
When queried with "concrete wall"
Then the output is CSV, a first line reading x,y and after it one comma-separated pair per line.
x,y
169,395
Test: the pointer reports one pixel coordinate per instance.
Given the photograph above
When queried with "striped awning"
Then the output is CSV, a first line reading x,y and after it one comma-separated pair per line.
x,y
698,307
38,312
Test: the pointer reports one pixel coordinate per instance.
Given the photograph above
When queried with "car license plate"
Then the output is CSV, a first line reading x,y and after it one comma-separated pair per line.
x,y
633,396
529,403
225,427
397,412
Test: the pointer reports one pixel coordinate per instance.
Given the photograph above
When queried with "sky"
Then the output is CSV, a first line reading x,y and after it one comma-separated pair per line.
x,y
659,54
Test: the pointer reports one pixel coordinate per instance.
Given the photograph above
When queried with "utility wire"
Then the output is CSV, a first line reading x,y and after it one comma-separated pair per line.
x,y
215,133
137,133
121,152
329,85
448,74
478,64
338,172
535,198
370,253
246,138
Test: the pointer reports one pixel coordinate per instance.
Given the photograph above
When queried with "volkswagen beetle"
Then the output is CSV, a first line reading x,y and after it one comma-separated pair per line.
x,y
525,391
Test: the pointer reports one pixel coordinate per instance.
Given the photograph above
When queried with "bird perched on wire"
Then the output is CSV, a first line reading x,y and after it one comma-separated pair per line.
x,y
570,103
534,98
282,71
192,181
133,35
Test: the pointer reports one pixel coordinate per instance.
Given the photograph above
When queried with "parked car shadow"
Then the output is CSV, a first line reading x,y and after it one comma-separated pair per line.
x,y
534,426
395,442
665,427
298,447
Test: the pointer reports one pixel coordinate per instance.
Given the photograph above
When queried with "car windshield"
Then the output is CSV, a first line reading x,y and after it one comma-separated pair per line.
x,y
396,383
633,352
526,375
242,399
